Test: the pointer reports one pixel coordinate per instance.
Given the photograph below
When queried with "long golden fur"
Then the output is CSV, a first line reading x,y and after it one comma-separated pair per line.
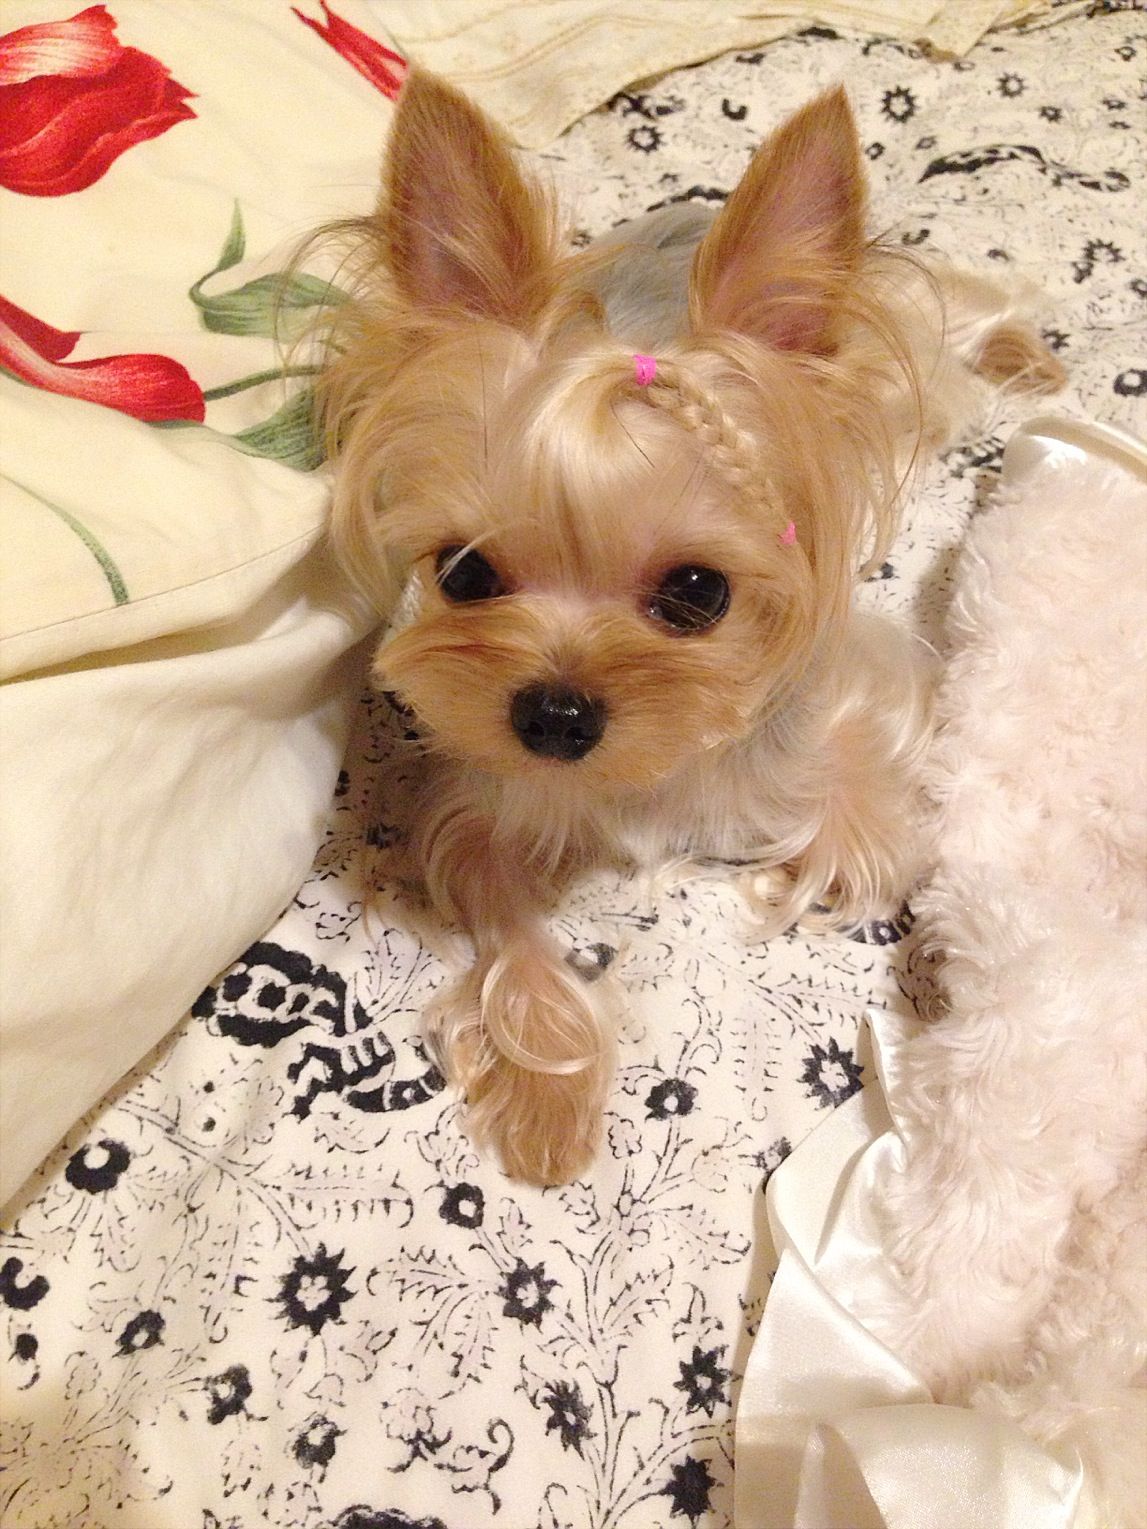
x,y
529,515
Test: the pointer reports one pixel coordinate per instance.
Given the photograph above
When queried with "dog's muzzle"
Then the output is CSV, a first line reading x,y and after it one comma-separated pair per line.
x,y
557,722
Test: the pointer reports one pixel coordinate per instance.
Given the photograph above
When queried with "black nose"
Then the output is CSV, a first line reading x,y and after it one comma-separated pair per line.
x,y
557,722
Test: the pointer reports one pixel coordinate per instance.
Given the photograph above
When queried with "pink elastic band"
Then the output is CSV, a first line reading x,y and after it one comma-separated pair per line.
x,y
789,535
644,369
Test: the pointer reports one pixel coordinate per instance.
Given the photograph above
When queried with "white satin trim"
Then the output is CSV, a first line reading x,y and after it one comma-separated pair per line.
x,y
833,1431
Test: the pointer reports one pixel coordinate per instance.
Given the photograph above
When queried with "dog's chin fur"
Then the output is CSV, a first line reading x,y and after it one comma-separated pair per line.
x,y
481,397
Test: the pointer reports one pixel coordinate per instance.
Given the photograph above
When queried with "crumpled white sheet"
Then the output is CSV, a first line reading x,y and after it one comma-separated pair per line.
x,y
834,1431
540,65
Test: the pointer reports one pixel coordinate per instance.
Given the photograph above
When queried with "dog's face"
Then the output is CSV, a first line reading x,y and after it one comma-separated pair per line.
x,y
585,592
603,579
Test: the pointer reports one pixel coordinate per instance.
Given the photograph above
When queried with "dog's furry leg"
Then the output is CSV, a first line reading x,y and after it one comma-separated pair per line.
x,y
992,330
846,827
518,1034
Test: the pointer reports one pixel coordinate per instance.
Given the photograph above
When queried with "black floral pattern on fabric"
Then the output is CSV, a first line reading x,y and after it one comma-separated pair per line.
x,y
831,1073
527,1294
688,1491
645,138
315,1445
703,1380
97,1168
463,1205
144,1331
314,1291
673,1097
569,1414
273,994
228,1394
975,161
899,104
270,1280
18,1291
381,1518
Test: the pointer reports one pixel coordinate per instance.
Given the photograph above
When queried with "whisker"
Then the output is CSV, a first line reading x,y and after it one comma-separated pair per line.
x,y
626,432
485,421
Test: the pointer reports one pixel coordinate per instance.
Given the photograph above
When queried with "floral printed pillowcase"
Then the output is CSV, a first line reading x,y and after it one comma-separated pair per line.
x,y
157,167
181,646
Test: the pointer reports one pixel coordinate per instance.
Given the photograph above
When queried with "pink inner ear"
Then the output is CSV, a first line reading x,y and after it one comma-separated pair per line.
x,y
443,270
774,264
790,321
442,281
466,230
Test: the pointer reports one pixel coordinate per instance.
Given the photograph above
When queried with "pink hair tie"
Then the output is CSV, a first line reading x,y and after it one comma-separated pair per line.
x,y
644,369
789,535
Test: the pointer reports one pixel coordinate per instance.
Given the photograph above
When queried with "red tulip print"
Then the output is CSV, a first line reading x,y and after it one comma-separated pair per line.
x,y
147,387
73,99
385,70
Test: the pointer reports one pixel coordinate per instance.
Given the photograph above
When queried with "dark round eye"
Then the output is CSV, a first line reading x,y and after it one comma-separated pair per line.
x,y
465,576
690,598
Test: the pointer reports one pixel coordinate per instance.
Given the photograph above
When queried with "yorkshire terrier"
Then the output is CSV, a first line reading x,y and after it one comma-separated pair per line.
x,y
616,503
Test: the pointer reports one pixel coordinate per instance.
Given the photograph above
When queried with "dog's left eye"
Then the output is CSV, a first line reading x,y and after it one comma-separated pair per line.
x,y
466,576
690,598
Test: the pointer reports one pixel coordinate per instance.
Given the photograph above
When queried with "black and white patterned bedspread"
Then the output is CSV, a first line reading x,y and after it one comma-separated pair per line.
x,y
269,1282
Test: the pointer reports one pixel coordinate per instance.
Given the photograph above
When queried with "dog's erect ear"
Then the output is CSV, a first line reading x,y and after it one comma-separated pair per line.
x,y
777,262
464,229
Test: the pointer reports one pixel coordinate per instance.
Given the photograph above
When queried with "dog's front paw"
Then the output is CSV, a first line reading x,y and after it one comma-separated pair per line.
x,y
524,1043
545,1127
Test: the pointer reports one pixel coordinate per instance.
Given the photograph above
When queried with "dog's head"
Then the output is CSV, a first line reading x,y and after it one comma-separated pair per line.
x,y
605,572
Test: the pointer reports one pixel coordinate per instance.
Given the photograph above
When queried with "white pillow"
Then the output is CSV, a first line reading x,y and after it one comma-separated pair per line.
x,y
181,659
160,800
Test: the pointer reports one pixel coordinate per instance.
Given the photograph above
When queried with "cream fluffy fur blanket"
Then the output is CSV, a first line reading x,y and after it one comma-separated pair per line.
x,y
1018,1223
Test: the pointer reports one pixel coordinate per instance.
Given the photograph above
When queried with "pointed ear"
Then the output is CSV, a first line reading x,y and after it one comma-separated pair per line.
x,y
464,229
778,260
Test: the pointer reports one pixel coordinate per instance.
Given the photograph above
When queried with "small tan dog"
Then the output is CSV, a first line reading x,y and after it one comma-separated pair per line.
x,y
619,502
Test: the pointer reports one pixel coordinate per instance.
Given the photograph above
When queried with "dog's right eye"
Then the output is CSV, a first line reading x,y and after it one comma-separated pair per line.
x,y
466,576
690,599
